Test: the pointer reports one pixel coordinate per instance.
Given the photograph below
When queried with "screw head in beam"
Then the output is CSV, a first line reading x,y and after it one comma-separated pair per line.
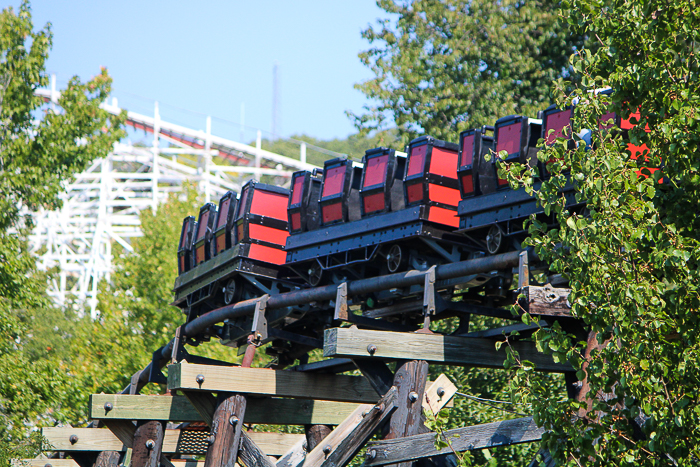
x,y
73,439
108,406
199,379
413,396
371,349
150,444
233,420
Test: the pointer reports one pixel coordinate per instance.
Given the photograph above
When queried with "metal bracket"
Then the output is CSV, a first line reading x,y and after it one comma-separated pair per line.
x,y
156,375
259,328
341,303
428,297
523,270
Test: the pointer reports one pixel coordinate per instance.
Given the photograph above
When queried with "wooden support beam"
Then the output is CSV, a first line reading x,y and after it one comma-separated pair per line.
x,y
439,393
377,373
346,440
434,348
264,381
315,434
409,381
124,430
175,441
43,463
251,455
268,411
108,459
520,430
148,444
204,403
295,456
226,430
546,301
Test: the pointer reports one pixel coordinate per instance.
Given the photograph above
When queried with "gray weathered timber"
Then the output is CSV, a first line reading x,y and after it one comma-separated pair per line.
x,y
268,411
294,456
434,348
251,455
108,459
264,381
547,301
349,444
225,432
148,444
520,430
409,380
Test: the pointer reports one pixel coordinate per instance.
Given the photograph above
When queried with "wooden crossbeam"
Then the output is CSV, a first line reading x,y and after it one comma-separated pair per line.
x,y
45,463
72,463
268,411
434,348
546,301
351,437
439,393
508,432
263,381
175,442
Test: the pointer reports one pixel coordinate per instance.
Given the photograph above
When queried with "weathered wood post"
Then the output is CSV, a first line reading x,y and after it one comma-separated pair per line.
x,y
409,380
226,430
148,444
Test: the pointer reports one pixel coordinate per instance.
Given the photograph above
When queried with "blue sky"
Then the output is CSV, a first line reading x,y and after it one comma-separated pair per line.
x,y
211,57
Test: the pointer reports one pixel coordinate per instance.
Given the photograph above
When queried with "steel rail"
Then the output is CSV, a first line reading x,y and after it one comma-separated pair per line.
x,y
204,322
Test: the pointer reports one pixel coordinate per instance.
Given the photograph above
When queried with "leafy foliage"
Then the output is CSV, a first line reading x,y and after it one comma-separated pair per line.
x,y
632,258
39,148
446,66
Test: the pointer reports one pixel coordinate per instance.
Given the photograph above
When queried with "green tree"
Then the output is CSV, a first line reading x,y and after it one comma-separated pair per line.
x,y
34,159
445,66
632,260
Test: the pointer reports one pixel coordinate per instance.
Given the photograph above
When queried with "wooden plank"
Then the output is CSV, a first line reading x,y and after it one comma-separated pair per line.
x,y
547,301
188,463
434,348
439,393
251,455
318,453
348,444
43,463
268,411
175,442
226,430
295,456
508,432
123,429
270,382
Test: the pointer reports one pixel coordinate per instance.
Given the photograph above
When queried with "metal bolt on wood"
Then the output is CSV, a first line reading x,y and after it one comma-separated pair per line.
x,y
211,439
48,465
200,379
108,406
150,444
327,449
413,396
440,391
371,454
371,349
233,420
73,439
